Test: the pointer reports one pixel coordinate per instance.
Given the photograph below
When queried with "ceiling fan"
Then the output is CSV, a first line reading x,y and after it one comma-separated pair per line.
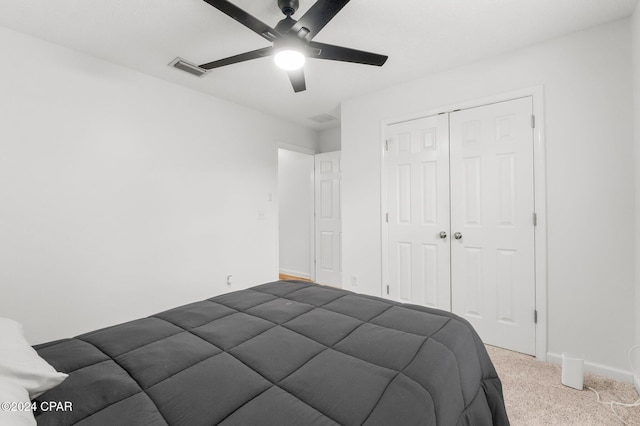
x,y
292,40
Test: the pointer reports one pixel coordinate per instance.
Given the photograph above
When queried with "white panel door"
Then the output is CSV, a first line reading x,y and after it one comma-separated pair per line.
x,y
417,169
492,225
328,220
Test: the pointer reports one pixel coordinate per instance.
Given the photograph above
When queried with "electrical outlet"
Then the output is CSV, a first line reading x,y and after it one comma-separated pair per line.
x,y
229,279
354,281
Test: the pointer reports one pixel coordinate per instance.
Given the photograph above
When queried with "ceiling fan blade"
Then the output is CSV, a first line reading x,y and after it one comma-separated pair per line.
x,y
254,54
318,16
345,54
244,18
297,80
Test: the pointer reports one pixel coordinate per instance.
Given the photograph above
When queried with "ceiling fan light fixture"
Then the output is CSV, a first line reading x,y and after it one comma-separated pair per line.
x,y
289,59
292,39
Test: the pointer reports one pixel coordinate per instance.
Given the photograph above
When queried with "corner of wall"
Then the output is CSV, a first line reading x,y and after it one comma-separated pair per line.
x,y
329,139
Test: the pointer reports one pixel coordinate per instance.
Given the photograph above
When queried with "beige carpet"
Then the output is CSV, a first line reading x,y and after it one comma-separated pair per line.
x,y
534,395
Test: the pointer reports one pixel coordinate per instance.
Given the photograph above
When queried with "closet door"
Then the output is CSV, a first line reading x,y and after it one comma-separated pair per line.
x,y
417,253
492,223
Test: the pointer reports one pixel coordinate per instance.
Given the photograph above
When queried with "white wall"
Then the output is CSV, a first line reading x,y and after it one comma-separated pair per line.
x,y
122,195
329,140
295,211
635,28
590,194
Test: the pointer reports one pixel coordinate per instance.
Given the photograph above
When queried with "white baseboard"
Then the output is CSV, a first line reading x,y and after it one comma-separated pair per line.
x,y
599,369
636,382
298,274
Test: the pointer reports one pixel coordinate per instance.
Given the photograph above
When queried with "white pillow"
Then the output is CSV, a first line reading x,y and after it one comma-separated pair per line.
x,y
15,406
21,365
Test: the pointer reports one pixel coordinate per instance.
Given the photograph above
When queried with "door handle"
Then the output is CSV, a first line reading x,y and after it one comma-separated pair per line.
x,y
443,235
457,235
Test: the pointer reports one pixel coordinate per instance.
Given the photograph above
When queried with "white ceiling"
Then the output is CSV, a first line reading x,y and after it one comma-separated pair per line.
x,y
419,36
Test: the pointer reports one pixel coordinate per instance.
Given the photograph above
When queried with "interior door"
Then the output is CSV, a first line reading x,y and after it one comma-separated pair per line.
x,y
417,168
492,221
328,220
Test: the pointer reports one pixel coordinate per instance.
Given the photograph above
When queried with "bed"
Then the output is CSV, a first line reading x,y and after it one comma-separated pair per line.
x,y
282,353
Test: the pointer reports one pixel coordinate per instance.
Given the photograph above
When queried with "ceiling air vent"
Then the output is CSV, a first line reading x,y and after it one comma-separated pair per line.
x,y
186,66
322,118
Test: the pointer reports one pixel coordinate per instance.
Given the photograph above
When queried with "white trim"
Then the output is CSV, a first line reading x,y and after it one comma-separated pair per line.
x,y
296,148
595,368
384,203
312,219
296,273
636,383
540,198
540,205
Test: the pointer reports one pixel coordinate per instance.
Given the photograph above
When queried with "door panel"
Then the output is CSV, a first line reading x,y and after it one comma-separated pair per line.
x,y
328,221
492,267
417,168
471,196
405,272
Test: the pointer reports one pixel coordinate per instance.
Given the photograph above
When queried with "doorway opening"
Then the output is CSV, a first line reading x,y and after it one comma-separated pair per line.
x,y
296,215
309,218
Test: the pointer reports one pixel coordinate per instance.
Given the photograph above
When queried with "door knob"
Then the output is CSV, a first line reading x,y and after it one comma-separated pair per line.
x,y
443,235
457,235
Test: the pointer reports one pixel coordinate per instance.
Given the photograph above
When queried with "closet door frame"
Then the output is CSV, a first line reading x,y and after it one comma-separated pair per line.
x,y
539,170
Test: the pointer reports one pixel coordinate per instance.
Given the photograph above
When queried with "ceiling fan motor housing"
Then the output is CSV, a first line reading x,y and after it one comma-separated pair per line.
x,y
288,7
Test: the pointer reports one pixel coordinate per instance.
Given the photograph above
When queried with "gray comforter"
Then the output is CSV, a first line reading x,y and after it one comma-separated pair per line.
x,y
283,353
